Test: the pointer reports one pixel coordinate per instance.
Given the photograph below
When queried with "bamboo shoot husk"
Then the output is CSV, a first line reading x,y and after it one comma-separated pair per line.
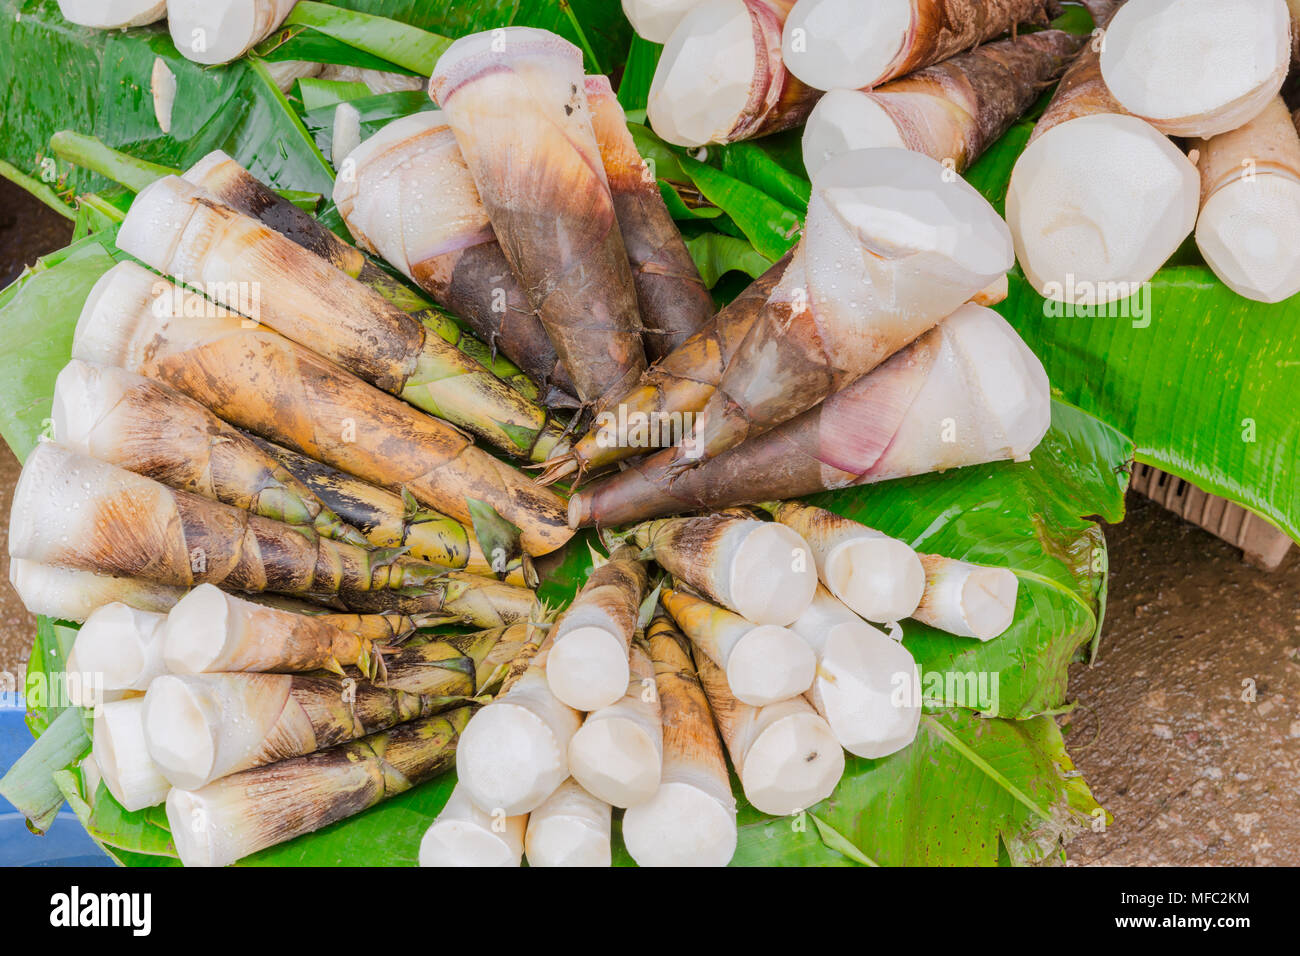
x,y
515,99
238,815
388,522
674,301
266,384
513,755
784,753
463,835
218,31
969,600
201,727
952,111
571,828
143,426
840,44
880,578
764,663
967,392
617,753
691,819
74,511
1250,205
761,570
67,594
721,78
587,669
441,238
178,229
868,687
484,602
123,757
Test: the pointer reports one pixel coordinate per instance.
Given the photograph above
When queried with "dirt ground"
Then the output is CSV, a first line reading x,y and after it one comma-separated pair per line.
x,y
1192,771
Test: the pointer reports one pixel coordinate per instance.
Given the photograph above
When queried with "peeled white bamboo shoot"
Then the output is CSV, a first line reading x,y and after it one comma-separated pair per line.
x,y
120,646
1250,206
655,20
785,753
463,835
123,757
764,663
969,600
868,687
112,14
218,31
571,828
617,753
70,595
1197,67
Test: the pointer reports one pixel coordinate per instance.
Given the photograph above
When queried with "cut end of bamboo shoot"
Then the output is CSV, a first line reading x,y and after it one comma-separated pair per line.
x,y
463,835
112,14
111,313
180,732
123,757
701,87
1197,67
156,222
880,579
681,825
121,645
845,44
845,120
83,394
616,760
969,600
218,31
655,20
70,595
1097,204
509,759
868,690
773,576
769,664
572,828
197,631
587,668
795,763
162,86
1247,232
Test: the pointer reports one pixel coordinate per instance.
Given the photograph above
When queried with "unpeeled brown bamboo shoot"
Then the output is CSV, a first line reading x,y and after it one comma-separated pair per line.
x,y
761,570
764,663
587,669
878,577
785,754
571,828
967,392
249,267
515,99
844,44
238,815
674,301
691,818
1250,205
952,111
617,753
143,426
262,382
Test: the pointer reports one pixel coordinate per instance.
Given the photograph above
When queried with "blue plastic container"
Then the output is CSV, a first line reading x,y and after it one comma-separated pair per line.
x,y
66,843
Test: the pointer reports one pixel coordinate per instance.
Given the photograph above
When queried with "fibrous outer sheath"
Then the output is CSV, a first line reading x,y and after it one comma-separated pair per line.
x,y
952,111
145,427
617,752
967,392
515,98
260,381
250,268
588,666
868,687
691,818
878,577
238,815
721,77
761,570
571,828
1099,199
1250,205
